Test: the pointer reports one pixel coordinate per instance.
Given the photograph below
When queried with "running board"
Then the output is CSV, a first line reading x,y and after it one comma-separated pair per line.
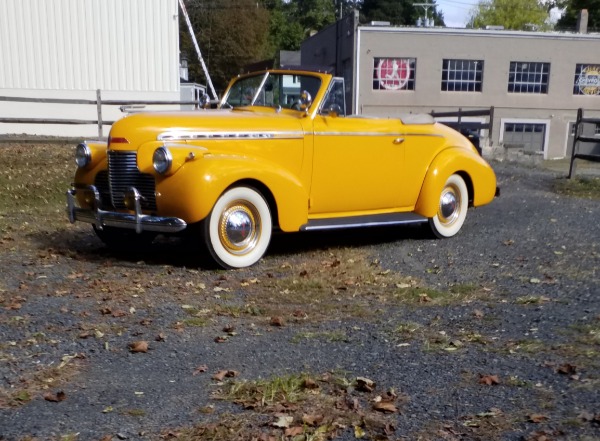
x,y
373,220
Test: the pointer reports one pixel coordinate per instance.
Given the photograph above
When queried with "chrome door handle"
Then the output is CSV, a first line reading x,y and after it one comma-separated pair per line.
x,y
398,141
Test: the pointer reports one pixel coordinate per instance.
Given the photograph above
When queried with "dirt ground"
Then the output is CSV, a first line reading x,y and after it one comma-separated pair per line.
x,y
381,334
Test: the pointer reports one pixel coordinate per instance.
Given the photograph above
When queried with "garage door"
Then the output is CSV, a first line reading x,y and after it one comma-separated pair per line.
x,y
526,136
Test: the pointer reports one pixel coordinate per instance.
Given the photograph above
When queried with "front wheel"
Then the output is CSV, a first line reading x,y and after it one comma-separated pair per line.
x,y
452,208
238,230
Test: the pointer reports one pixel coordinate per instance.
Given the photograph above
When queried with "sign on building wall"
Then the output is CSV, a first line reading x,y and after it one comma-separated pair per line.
x,y
394,73
587,79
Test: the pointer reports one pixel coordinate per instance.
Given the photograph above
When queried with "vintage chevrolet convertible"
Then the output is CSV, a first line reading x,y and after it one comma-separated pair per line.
x,y
279,153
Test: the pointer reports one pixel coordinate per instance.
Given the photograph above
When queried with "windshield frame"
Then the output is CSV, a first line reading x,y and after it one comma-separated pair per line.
x,y
261,91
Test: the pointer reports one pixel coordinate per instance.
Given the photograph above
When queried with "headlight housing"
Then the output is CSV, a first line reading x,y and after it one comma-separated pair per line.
x,y
162,160
83,155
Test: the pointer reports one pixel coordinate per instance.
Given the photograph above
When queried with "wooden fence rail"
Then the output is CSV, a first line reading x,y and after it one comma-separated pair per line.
x,y
98,102
584,147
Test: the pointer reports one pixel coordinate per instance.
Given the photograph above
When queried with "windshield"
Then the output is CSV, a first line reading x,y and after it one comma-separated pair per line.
x,y
272,90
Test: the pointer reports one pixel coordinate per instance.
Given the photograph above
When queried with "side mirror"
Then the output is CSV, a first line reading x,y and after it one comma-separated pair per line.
x,y
305,100
204,101
333,110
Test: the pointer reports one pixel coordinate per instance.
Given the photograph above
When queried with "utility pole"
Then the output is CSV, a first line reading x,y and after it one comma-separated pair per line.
x,y
426,7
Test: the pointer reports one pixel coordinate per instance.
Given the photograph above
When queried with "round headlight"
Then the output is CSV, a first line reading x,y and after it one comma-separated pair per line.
x,y
83,155
162,160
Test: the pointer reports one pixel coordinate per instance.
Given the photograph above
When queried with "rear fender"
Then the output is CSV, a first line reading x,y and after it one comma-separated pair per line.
x,y
456,160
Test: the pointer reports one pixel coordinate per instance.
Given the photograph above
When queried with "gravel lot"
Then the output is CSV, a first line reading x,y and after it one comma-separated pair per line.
x,y
492,335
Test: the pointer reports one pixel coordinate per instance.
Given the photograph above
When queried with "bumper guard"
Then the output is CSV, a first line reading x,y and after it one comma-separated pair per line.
x,y
133,221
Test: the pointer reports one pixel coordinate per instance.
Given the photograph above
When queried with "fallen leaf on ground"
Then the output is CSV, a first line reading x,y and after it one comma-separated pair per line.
x,y
537,418
365,384
567,369
385,406
221,375
277,321
138,346
55,398
489,380
283,421
294,431
200,369
312,420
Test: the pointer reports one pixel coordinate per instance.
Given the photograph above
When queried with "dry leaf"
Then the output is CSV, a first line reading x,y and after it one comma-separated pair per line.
x,y
385,406
567,369
489,380
55,398
364,384
138,346
309,383
221,375
537,418
294,431
312,420
283,421
277,321
200,369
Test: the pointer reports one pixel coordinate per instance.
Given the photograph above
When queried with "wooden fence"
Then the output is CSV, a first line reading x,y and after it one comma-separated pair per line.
x,y
98,102
469,128
584,147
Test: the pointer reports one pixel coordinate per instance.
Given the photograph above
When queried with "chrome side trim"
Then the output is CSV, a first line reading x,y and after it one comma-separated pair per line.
x,y
132,221
183,135
434,135
375,220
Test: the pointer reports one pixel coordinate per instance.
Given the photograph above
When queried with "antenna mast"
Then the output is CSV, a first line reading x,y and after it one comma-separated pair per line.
x,y
189,25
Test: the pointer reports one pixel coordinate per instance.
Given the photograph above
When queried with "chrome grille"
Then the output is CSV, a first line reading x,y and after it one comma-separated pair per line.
x,y
123,173
101,184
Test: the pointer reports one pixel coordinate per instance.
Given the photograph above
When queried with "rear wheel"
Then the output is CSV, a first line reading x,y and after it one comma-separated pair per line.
x,y
238,230
124,239
452,208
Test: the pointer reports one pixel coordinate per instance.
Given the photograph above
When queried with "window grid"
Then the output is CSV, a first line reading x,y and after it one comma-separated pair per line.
x,y
462,75
394,74
528,77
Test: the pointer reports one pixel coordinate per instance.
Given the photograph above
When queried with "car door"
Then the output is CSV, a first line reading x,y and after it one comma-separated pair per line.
x,y
357,165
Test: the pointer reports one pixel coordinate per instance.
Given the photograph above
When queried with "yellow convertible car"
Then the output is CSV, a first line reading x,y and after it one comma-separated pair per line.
x,y
279,153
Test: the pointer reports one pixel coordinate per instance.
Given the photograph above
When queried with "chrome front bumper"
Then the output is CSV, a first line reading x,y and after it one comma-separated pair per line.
x,y
133,221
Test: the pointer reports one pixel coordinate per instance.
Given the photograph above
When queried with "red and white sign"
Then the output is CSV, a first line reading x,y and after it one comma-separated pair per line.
x,y
393,73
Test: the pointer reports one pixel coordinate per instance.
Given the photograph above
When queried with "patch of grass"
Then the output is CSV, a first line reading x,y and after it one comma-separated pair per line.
x,y
33,180
532,300
134,412
288,389
330,336
583,187
31,384
196,322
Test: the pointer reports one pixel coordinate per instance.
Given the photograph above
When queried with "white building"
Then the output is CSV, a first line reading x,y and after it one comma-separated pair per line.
x,y
69,49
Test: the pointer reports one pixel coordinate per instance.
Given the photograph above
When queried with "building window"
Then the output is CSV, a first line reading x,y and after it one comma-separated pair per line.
x,y
587,80
528,77
462,75
597,130
394,73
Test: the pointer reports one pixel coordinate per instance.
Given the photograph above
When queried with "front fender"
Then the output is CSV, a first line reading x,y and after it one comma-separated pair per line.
x,y
192,191
478,175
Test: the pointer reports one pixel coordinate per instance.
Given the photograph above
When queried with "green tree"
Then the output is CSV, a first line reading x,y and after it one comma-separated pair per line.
x,y
231,34
572,8
512,14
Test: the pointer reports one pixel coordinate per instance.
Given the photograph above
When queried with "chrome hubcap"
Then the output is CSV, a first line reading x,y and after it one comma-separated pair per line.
x,y
238,229
449,205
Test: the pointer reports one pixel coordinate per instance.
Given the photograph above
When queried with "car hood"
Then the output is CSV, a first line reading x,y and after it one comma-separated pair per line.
x,y
245,123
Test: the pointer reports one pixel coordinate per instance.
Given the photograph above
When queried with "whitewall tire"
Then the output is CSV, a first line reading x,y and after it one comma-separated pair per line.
x,y
452,208
238,230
